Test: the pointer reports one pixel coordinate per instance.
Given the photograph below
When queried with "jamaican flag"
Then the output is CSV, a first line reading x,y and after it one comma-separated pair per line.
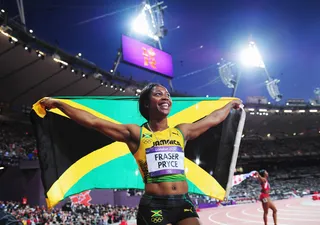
x,y
74,158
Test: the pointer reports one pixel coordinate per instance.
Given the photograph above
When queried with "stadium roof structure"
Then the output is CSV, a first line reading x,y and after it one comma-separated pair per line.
x,y
32,69
27,76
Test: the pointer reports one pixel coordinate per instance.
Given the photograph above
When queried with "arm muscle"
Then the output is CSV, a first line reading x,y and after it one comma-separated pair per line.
x,y
193,130
118,132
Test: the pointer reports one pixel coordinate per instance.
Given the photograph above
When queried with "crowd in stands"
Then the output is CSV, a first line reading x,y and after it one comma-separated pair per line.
x,y
16,142
284,184
77,214
298,146
287,183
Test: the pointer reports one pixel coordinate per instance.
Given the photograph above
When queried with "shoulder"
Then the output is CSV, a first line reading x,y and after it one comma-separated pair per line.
x,y
178,129
183,127
137,131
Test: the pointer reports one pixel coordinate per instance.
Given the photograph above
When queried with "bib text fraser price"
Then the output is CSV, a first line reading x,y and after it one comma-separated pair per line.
x,y
167,160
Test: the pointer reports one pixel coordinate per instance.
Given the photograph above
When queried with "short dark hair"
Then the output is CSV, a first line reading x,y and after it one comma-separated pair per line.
x,y
262,173
145,98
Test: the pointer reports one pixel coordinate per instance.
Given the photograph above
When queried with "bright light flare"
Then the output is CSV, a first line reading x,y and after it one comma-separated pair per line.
x,y
140,24
251,57
197,161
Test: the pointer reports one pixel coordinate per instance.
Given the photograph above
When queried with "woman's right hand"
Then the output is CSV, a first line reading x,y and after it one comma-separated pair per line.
x,y
49,103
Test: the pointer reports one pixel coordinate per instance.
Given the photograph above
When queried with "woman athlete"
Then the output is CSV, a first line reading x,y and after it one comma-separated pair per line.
x,y
263,175
158,150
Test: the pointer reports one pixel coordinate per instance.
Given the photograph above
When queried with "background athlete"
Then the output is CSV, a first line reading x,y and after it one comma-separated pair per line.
x,y
263,175
165,200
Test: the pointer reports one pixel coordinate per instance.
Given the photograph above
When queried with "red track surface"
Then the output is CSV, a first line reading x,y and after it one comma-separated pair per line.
x,y
298,211
302,211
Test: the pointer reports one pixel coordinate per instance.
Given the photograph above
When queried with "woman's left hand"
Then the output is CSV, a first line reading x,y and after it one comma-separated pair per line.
x,y
235,104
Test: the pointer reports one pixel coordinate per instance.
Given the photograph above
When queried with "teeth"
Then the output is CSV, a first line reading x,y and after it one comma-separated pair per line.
x,y
164,105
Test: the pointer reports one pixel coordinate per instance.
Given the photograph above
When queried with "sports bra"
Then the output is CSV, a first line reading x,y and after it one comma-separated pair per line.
x,y
160,155
265,187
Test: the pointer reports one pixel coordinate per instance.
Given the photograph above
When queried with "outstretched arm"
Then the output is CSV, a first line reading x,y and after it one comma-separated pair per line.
x,y
260,178
193,130
118,132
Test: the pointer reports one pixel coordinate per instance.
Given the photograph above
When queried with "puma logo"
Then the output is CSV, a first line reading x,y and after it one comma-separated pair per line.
x,y
188,210
175,133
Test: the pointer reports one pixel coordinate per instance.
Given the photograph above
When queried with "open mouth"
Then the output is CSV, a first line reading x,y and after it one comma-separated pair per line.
x,y
164,105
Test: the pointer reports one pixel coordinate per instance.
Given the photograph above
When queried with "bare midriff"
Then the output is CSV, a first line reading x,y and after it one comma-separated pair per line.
x,y
167,188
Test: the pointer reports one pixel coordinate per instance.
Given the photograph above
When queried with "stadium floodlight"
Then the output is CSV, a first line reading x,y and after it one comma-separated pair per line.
x,y
6,30
250,57
273,89
144,25
227,73
316,101
140,24
57,59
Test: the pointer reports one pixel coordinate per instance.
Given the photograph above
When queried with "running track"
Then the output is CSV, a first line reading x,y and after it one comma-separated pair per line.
x,y
297,211
290,212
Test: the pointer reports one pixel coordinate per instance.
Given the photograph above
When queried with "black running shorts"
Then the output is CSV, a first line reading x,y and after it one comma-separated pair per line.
x,y
162,210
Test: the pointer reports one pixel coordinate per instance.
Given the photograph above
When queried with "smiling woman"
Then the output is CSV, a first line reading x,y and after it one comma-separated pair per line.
x,y
154,98
158,150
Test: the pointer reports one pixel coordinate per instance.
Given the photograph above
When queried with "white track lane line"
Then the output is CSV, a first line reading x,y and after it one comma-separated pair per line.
x,y
284,218
301,207
289,214
249,221
214,221
304,211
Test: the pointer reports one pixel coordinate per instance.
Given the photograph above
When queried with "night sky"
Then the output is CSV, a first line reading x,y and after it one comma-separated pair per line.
x,y
287,33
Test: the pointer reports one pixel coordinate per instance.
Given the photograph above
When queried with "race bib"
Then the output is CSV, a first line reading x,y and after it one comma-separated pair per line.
x,y
164,160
